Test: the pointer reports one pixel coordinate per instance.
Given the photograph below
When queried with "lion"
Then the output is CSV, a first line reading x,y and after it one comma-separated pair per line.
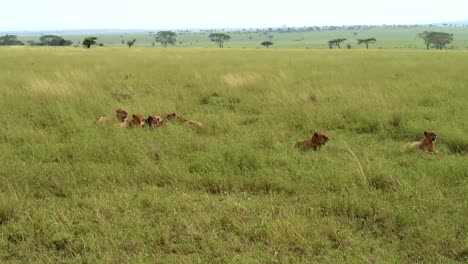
x,y
154,121
137,121
315,142
181,119
120,114
428,143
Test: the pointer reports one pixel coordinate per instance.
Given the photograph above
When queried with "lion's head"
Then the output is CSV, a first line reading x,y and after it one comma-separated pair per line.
x,y
138,120
172,116
154,121
430,136
121,115
319,139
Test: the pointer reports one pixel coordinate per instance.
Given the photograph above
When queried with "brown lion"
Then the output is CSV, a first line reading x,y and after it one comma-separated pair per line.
x,y
154,121
120,114
428,144
181,119
137,121
317,140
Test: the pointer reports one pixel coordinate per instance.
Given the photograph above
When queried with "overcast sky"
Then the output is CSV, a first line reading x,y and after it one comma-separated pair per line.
x,y
178,14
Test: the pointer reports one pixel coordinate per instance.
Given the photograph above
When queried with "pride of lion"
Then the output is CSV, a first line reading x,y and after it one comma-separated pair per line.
x,y
140,121
315,142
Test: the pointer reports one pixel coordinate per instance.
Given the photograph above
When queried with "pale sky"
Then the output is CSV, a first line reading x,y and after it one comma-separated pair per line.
x,y
179,14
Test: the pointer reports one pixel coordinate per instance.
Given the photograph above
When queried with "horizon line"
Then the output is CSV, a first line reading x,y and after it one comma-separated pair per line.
x,y
457,23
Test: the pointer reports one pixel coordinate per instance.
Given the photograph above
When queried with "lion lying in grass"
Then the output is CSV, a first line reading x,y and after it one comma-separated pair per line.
x,y
154,121
121,116
427,144
317,140
181,119
137,121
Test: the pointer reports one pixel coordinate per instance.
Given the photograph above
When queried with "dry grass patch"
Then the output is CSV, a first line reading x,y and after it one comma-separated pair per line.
x,y
237,80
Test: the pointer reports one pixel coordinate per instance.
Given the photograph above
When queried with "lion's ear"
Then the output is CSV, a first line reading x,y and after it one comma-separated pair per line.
x,y
134,116
425,133
315,134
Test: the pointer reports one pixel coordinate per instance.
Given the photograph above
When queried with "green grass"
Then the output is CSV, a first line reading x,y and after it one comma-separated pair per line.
x,y
235,190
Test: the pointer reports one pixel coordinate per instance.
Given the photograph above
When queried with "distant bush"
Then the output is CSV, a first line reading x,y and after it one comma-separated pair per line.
x,y
10,40
50,40
89,41
131,42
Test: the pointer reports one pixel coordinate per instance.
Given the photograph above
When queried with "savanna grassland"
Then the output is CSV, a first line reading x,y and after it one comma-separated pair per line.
x,y
235,190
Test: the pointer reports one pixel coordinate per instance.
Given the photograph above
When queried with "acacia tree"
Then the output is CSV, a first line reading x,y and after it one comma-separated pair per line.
x,y
438,39
10,40
166,37
367,41
266,43
53,40
131,42
335,42
441,39
89,41
219,38
425,36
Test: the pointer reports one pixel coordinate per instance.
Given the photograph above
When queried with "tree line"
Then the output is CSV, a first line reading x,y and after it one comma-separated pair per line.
x,y
432,39
44,40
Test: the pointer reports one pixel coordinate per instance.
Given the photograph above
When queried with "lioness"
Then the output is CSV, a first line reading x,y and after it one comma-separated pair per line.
x,y
120,114
177,117
317,140
154,121
428,144
137,121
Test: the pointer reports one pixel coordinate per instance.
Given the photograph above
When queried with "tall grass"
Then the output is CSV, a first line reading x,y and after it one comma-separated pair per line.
x,y
235,190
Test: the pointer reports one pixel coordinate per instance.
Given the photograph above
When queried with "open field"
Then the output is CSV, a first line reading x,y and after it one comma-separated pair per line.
x,y
387,38
235,190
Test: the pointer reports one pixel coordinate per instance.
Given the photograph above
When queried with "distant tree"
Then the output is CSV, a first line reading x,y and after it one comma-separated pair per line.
x,y
441,39
166,37
349,46
335,42
89,41
437,39
270,37
367,41
266,43
131,42
32,43
52,40
10,40
219,38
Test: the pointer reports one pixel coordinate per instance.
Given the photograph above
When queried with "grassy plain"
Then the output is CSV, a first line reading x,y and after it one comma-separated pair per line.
x,y
235,190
